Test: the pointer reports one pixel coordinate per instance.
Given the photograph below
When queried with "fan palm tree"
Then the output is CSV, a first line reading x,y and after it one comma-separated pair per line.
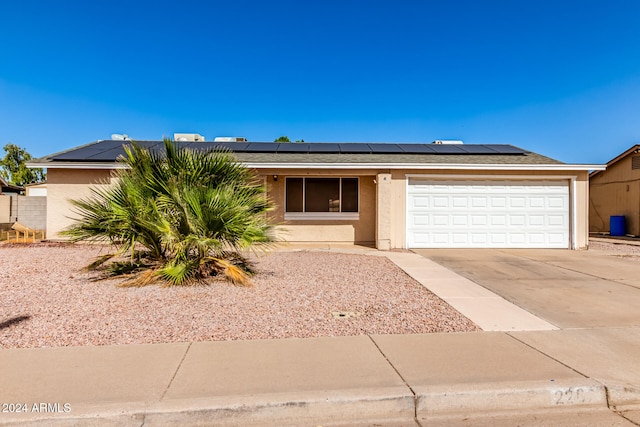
x,y
179,215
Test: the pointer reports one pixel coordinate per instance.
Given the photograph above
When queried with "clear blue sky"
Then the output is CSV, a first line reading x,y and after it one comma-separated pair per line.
x,y
561,78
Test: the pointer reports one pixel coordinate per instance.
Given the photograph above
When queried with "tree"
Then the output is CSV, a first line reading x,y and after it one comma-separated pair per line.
x,y
14,169
285,138
180,216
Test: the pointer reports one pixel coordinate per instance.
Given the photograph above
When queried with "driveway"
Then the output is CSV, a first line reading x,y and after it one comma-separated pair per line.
x,y
570,289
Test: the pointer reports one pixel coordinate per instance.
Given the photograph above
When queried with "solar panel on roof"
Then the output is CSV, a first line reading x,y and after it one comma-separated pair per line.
x,y
477,149
237,147
447,149
109,155
417,148
506,149
323,147
354,148
109,150
293,148
262,147
385,148
89,150
78,154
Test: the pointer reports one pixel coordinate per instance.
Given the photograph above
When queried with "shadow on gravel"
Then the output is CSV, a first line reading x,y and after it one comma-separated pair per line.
x,y
13,321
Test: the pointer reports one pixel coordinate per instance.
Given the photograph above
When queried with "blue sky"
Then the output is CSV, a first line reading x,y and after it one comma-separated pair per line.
x,y
561,78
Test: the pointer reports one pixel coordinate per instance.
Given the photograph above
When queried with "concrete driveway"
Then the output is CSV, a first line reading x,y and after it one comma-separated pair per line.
x,y
570,289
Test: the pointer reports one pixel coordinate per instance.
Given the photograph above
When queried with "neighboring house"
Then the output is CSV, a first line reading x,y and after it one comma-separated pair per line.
x,y
37,189
8,202
616,192
29,210
387,195
6,188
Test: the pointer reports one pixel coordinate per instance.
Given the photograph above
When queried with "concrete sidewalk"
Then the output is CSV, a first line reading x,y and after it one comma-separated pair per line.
x,y
526,373
434,379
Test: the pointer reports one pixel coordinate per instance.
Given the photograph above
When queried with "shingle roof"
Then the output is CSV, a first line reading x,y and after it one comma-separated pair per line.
x,y
108,151
5,186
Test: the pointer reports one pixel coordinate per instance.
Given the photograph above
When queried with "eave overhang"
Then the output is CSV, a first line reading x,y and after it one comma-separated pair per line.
x,y
342,166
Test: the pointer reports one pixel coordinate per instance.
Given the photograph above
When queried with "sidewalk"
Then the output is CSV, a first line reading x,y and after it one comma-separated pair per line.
x,y
386,379
527,372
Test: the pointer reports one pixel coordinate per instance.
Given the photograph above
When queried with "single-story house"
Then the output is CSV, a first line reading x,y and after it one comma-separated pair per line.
x,y
8,202
6,188
616,192
437,195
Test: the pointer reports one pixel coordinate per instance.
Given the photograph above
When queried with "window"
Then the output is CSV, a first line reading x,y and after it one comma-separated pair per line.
x,y
321,198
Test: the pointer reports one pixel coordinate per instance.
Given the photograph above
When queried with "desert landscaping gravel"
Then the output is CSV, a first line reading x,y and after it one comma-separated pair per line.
x,y
616,249
47,300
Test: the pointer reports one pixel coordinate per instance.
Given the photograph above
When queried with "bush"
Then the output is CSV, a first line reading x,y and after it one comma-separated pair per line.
x,y
179,215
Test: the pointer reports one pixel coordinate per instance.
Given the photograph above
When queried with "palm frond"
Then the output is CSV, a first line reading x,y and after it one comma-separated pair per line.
x,y
188,211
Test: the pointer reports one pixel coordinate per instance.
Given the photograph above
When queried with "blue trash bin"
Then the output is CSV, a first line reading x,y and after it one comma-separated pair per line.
x,y
617,226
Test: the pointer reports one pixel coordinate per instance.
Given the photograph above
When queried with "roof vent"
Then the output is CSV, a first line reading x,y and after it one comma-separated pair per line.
x,y
188,137
229,139
448,141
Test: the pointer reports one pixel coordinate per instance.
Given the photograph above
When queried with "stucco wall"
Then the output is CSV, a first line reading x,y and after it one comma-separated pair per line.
x,y
65,184
615,191
5,209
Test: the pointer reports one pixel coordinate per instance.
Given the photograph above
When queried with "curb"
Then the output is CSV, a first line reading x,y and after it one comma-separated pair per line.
x,y
385,405
396,405
531,396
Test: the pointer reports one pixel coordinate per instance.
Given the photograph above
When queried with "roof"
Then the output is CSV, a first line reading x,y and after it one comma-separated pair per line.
x,y
634,149
104,154
5,186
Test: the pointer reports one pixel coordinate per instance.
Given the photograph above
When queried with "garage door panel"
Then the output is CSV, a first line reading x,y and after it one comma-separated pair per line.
x,y
420,202
479,238
537,202
536,220
487,214
498,202
536,238
556,220
517,220
477,220
517,202
420,219
460,238
441,238
460,202
440,202
499,219
556,202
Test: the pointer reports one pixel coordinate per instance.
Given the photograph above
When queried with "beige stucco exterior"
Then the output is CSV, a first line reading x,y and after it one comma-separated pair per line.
x,y
66,184
382,201
383,193
360,231
5,208
616,191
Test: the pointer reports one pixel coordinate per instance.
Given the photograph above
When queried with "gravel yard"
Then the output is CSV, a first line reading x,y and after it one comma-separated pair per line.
x,y
47,300
616,249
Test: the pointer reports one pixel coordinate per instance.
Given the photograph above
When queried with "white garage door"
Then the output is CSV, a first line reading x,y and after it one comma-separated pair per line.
x,y
487,214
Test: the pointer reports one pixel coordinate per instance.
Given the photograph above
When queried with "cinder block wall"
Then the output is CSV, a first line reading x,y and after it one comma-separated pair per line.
x,y
14,208
32,211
